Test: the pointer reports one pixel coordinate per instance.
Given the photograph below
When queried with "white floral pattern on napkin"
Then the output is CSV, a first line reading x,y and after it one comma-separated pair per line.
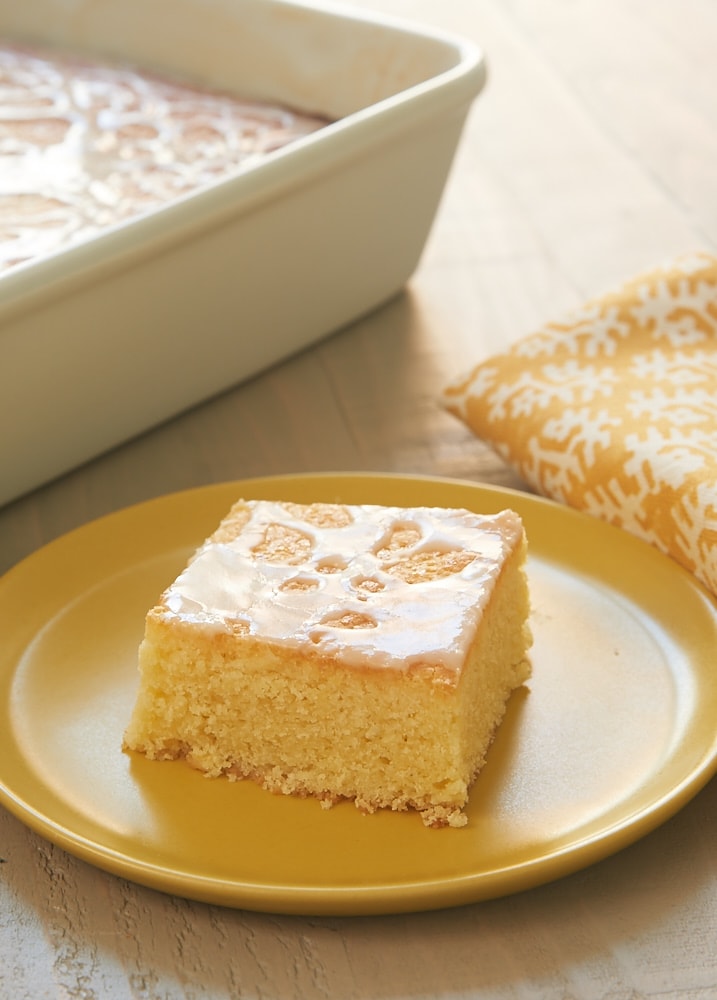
x,y
614,410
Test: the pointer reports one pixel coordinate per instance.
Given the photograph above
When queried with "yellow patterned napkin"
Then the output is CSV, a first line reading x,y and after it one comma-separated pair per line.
x,y
614,410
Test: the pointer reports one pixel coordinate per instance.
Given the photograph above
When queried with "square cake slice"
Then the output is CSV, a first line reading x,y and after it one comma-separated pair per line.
x,y
340,651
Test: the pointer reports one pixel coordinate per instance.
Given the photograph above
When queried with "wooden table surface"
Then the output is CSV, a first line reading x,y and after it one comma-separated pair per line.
x,y
591,155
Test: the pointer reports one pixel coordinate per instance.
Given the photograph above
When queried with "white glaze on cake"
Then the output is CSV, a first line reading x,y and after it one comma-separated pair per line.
x,y
87,145
338,651
383,589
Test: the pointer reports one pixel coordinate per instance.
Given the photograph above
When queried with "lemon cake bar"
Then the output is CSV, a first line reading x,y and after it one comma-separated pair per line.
x,y
340,651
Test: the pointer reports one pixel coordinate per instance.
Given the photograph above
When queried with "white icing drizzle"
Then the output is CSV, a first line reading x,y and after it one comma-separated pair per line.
x,y
86,145
398,624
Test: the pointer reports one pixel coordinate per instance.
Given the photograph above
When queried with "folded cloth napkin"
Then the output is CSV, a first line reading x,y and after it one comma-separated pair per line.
x,y
614,410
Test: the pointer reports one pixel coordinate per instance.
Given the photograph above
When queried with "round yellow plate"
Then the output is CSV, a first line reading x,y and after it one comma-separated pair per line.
x,y
614,733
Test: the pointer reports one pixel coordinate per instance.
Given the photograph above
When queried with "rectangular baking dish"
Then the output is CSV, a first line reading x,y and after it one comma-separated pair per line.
x,y
110,337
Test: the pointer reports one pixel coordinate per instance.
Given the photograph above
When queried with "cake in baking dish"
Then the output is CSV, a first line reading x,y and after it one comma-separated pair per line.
x,y
340,651
90,144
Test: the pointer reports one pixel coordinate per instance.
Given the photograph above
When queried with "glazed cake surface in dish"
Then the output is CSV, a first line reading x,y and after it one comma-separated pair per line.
x,y
89,145
340,651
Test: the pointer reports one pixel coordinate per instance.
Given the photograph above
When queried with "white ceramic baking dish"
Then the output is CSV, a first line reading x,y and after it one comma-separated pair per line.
x,y
103,340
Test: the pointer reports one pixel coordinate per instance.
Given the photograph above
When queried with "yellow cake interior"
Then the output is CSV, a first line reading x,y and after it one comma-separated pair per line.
x,y
412,633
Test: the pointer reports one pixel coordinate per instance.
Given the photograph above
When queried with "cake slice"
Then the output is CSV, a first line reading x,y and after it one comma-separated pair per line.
x,y
338,651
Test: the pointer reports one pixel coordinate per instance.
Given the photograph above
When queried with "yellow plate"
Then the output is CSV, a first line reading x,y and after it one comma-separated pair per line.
x,y
616,731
